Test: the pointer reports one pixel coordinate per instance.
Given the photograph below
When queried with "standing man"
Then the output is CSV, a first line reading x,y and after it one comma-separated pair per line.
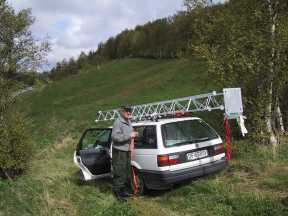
x,y
122,133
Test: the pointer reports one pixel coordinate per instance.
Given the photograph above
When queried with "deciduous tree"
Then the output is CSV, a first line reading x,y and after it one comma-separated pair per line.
x,y
19,53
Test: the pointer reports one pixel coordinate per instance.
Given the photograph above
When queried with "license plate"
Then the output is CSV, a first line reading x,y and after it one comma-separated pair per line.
x,y
197,155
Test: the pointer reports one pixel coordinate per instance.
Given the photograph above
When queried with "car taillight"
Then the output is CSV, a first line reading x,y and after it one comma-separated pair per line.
x,y
163,160
219,149
173,159
167,160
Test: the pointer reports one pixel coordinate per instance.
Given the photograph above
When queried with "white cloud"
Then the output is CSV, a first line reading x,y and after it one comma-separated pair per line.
x,y
79,25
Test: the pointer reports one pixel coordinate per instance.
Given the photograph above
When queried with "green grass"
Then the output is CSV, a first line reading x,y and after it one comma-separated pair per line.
x,y
256,182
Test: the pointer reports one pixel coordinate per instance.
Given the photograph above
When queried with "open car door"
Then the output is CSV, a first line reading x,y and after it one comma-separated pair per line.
x,y
93,154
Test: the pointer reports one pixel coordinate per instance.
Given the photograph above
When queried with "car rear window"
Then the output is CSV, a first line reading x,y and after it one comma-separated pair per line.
x,y
187,132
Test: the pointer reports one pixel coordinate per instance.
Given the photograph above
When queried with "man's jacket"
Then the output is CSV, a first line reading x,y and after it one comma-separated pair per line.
x,y
121,134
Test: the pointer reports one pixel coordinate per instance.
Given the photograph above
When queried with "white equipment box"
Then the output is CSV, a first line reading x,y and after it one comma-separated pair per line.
x,y
233,102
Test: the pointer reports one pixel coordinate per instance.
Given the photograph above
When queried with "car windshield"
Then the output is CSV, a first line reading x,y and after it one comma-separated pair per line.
x,y
186,132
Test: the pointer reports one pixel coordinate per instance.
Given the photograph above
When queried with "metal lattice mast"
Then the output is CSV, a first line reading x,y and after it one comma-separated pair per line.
x,y
198,103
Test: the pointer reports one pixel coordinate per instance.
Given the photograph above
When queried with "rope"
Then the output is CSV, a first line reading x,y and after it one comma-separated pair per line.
x,y
134,175
228,139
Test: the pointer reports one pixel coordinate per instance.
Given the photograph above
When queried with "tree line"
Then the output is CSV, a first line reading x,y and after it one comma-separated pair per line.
x,y
162,38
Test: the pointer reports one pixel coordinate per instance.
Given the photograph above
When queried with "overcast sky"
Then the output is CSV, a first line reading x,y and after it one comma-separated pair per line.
x,y
79,25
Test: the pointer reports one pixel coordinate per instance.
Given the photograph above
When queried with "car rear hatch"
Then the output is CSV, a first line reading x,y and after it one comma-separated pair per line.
x,y
190,143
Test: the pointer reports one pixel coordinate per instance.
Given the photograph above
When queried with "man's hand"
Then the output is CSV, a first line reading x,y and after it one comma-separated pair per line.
x,y
133,135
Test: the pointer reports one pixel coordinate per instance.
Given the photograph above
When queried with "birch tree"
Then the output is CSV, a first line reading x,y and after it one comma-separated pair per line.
x,y
249,52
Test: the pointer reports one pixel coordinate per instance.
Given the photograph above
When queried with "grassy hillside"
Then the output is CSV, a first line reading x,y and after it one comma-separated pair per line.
x,y
256,182
119,82
71,104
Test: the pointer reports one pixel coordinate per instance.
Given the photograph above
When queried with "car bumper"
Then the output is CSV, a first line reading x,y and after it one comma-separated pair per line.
x,y
159,180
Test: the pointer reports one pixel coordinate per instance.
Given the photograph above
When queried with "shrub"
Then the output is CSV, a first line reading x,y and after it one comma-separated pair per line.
x,y
16,148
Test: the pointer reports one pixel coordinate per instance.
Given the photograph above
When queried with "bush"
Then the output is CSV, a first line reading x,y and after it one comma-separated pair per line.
x,y
16,147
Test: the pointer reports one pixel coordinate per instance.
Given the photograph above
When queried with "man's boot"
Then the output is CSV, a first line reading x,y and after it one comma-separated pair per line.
x,y
120,195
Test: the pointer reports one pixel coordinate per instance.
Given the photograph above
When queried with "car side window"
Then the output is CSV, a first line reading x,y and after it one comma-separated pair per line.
x,y
96,137
147,138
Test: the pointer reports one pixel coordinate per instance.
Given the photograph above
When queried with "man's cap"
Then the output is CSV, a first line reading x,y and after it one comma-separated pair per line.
x,y
126,108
